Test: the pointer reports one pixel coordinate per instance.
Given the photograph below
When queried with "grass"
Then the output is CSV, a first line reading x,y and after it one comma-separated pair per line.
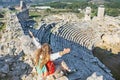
x,y
35,14
0,36
80,15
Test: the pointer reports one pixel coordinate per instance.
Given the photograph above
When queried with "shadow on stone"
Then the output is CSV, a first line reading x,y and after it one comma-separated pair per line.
x,y
12,67
111,60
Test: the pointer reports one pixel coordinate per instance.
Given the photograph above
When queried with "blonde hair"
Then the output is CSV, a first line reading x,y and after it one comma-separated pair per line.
x,y
44,51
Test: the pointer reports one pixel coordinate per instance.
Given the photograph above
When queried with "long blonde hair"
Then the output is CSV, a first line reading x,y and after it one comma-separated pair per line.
x,y
44,51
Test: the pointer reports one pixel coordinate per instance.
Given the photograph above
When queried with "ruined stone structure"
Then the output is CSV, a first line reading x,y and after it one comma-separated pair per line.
x,y
22,5
12,50
79,37
101,11
80,41
24,12
87,14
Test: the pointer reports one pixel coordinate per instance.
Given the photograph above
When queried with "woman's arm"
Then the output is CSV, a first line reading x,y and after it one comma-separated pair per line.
x,y
59,54
37,44
35,41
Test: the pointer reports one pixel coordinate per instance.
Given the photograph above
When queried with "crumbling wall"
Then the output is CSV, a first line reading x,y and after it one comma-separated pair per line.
x,y
23,15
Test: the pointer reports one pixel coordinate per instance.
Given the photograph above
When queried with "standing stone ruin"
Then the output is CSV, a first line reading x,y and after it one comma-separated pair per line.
x,y
101,11
22,5
87,14
23,15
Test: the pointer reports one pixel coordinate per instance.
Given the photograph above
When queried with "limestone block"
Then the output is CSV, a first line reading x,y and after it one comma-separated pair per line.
x,y
95,76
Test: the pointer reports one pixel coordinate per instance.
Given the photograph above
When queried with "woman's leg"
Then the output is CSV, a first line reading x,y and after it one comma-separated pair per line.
x,y
39,77
63,78
61,67
64,66
58,72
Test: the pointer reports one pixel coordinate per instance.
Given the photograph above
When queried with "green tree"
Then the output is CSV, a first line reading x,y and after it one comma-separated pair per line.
x,y
93,13
48,10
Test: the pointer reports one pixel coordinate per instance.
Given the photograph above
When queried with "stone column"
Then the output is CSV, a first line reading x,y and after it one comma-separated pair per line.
x,y
21,4
87,14
101,11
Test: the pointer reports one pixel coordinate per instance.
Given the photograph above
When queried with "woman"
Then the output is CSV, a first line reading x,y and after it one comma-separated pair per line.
x,y
43,55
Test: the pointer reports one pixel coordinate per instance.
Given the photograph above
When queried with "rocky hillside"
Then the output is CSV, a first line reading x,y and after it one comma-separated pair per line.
x,y
15,53
16,48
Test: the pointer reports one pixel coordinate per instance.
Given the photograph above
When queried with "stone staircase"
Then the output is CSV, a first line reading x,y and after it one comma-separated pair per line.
x,y
85,38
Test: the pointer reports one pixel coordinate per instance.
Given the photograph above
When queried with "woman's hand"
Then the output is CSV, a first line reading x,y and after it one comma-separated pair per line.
x,y
65,51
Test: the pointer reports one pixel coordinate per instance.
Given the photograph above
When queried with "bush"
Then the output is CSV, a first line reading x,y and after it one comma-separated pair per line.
x,y
2,26
93,13
80,15
113,8
1,15
48,10
112,12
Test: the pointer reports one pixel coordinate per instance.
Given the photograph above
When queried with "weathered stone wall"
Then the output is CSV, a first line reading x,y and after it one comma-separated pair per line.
x,y
16,50
23,15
